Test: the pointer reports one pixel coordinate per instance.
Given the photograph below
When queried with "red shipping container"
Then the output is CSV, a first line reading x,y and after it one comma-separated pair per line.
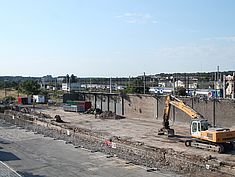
x,y
24,100
19,100
87,105
84,105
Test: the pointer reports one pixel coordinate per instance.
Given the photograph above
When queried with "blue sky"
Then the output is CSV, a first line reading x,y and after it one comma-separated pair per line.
x,y
114,38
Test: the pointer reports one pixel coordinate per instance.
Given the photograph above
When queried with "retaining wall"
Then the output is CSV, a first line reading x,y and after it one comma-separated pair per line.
x,y
149,107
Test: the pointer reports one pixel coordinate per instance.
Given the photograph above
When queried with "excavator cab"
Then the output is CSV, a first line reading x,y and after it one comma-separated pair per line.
x,y
197,126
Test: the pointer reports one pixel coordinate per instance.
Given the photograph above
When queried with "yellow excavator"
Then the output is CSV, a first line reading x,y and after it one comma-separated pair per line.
x,y
203,135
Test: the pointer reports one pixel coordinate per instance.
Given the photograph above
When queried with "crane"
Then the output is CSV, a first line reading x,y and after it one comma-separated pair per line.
x,y
203,136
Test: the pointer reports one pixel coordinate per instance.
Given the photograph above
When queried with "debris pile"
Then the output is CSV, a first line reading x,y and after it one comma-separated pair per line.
x,y
110,115
45,116
93,111
103,115
58,119
41,115
25,110
28,110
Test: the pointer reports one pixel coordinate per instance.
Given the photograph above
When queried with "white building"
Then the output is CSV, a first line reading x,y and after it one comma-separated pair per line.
x,y
230,85
39,99
161,90
179,83
60,79
71,87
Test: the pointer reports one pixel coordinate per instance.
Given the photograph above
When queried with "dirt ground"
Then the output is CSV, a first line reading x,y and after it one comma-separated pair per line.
x,y
136,129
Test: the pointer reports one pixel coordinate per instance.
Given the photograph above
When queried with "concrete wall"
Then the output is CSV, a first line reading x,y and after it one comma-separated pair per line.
x,y
148,107
140,106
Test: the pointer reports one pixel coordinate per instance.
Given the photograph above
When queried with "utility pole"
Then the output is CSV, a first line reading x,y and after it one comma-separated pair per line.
x,y
188,85
144,82
55,83
224,86
5,90
215,80
90,84
173,84
18,90
213,113
217,83
176,80
110,85
69,85
233,82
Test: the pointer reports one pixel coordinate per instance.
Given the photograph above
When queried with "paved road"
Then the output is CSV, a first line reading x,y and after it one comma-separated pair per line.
x,y
37,156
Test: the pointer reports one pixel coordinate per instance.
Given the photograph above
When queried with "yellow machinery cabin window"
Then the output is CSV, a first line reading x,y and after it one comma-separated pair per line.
x,y
194,127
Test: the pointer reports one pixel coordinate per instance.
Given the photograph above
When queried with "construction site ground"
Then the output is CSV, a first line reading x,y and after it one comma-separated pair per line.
x,y
140,130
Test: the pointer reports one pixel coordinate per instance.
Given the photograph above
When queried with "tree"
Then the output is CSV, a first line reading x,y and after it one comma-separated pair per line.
x,y
44,92
30,87
8,84
181,91
66,79
73,79
137,86
9,99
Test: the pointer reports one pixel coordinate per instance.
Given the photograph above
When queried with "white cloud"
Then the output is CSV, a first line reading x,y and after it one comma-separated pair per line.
x,y
226,38
137,18
229,38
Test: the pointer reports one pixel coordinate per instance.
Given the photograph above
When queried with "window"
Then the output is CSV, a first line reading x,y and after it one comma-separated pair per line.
x,y
204,126
194,127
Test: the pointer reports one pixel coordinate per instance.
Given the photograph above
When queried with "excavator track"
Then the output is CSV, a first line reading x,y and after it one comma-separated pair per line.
x,y
220,148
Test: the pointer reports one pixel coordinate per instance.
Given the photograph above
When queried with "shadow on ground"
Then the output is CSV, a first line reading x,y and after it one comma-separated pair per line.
x,y
26,174
8,156
4,142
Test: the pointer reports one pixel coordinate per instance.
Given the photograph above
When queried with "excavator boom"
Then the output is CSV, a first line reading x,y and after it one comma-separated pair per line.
x,y
185,108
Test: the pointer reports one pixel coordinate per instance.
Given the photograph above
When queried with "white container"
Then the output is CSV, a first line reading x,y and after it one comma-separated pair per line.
x,y
39,98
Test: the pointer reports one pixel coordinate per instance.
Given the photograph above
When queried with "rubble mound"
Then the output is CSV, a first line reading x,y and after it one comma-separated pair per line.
x,y
41,115
110,115
25,110
58,119
93,111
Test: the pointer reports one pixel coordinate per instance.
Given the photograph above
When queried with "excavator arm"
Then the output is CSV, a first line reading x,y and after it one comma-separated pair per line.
x,y
185,108
173,101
